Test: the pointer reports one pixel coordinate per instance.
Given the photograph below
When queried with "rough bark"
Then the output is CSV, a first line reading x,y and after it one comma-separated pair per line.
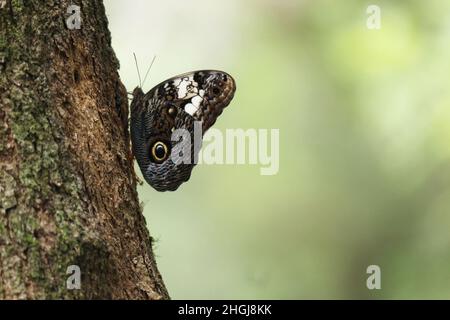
x,y
67,187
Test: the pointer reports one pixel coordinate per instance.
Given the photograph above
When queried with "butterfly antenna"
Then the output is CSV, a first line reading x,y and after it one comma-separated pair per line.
x,y
148,70
137,68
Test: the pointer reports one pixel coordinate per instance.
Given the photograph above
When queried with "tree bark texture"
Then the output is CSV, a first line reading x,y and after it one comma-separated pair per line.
x,y
67,186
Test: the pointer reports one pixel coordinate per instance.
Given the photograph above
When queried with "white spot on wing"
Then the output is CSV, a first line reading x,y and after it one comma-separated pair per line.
x,y
187,88
196,101
190,108
182,89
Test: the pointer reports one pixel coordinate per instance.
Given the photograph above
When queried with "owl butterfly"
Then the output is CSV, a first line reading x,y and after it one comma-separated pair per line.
x,y
177,103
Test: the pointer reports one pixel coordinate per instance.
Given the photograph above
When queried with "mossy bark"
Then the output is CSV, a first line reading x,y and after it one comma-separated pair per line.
x,y
67,188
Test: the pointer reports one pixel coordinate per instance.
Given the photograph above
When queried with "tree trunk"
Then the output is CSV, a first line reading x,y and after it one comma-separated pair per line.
x,y
67,186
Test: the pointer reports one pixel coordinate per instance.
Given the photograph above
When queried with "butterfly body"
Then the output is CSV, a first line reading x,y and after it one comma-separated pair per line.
x,y
175,104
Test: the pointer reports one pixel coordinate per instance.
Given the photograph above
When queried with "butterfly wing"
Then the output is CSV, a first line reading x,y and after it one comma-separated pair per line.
x,y
202,94
175,104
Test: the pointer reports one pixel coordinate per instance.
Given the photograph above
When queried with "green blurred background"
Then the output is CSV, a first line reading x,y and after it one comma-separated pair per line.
x,y
364,147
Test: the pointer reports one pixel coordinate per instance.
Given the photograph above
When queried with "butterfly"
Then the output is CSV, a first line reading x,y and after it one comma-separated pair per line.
x,y
174,105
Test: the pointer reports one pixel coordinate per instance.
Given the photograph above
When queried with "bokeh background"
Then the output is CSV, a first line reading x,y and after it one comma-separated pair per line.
x,y
364,121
